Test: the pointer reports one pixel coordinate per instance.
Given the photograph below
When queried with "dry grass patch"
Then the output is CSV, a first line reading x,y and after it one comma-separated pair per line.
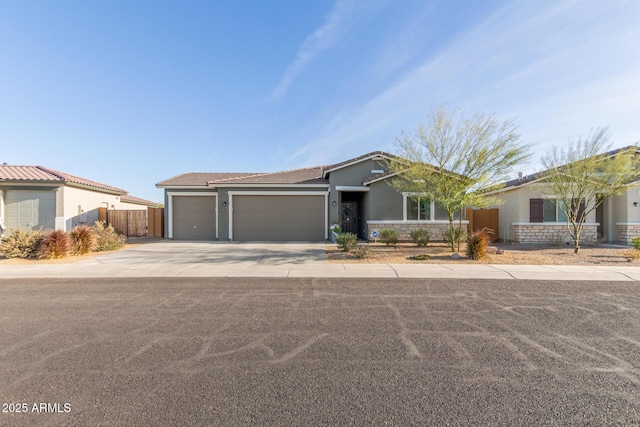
x,y
519,253
71,259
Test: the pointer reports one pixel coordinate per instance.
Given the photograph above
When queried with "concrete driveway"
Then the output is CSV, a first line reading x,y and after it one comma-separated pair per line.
x,y
165,252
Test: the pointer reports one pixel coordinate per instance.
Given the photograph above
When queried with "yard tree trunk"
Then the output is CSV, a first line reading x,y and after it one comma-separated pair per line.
x,y
452,232
459,230
576,238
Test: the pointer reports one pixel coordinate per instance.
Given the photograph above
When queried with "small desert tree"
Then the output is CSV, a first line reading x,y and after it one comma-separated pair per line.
x,y
451,157
583,175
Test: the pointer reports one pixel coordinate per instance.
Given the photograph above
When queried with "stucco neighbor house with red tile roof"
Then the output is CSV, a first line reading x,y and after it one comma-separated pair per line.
x,y
36,197
296,205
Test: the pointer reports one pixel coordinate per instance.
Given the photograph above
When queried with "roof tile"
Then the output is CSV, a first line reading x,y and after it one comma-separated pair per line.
x,y
10,173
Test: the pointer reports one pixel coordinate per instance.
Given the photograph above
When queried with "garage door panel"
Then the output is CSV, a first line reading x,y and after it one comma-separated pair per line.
x,y
194,217
30,210
279,217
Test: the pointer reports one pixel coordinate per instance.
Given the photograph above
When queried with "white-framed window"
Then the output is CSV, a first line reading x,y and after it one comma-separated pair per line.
x,y
418,207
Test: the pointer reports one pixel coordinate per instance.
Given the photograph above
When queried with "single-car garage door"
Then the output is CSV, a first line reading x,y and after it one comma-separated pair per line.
x,y
279,217
30,210
194,217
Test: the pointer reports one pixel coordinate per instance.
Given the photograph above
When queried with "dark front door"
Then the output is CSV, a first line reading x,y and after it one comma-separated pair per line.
x,y
349,219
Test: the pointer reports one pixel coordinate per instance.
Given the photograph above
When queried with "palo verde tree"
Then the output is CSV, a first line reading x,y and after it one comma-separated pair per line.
x,y
452,157
584,174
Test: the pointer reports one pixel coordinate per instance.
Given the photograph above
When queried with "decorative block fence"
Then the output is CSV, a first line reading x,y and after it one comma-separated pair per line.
x,y
627,231
436,229
551,233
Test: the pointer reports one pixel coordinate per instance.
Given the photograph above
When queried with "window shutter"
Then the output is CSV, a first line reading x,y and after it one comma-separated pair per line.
x,y
536,210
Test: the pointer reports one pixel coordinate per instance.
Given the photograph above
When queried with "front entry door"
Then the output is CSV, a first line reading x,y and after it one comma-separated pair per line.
x,y
349,219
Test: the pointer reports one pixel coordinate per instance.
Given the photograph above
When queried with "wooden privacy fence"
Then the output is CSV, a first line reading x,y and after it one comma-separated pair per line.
x,y
135,223
483,218
129,223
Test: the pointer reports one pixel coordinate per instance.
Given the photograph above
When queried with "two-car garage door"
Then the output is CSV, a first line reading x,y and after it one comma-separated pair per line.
x,y
278,217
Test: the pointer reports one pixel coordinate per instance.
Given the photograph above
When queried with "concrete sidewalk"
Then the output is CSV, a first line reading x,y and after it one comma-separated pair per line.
x,y
166,258
101,268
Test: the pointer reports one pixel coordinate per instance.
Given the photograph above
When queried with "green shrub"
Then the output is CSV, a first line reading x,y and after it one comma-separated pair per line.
x,y
54,244
335,228
420,237
346,241
83,240
21,244
362,251
419,257
107,238
456,232
635,242
389,236
477,244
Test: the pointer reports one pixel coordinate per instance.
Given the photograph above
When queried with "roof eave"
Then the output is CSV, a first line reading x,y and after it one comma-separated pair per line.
x,y
115,191
372,156
266,185
382,178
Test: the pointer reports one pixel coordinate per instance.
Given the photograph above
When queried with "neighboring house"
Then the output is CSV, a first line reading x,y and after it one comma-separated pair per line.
x,y
35,197
296,205
531,213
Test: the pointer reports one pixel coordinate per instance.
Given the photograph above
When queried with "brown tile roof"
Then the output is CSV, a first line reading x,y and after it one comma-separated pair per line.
x,y
199,178
540,175
10,173
137,200
312,175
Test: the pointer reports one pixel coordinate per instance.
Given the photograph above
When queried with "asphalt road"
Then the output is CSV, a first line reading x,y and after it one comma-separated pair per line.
x,y
318,352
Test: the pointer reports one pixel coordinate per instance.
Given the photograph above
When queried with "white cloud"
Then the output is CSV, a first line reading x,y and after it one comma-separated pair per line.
x,y
322,38
560,68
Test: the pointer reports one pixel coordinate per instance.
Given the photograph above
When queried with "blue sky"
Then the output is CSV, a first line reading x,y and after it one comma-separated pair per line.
x,y
131,93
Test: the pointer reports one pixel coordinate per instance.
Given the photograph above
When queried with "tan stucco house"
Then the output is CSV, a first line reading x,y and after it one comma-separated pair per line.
x,y
531,213
36,197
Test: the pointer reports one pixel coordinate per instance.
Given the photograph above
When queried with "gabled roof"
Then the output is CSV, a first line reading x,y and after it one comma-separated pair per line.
x,y
379,177
539,176
137,200
355,160
311,175
10,173
199,178
305,176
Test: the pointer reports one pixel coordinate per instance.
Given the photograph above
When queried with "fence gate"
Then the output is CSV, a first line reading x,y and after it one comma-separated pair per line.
x,y
155,222
484,218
